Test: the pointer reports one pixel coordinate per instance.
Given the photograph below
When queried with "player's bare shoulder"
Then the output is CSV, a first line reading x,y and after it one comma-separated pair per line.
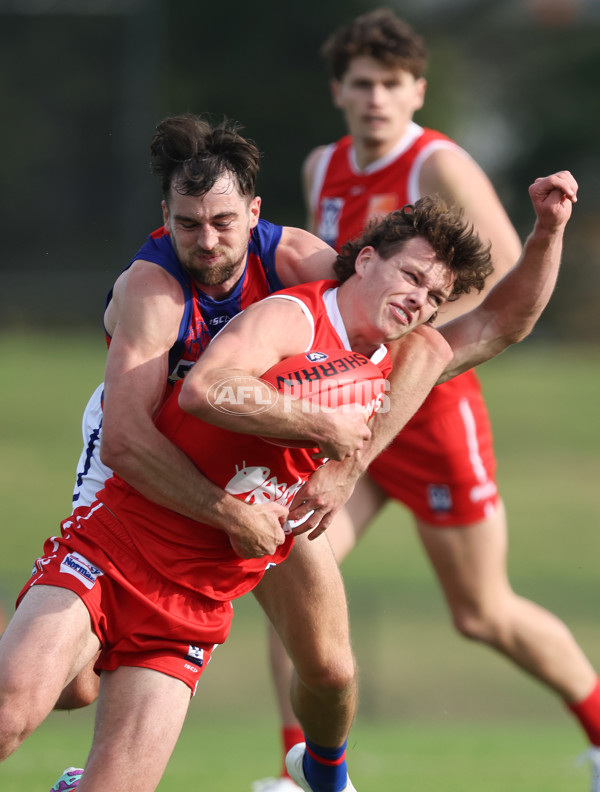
x,y
443,170
143,281
302,257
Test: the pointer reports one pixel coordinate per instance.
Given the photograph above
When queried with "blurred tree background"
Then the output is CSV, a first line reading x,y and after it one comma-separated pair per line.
x,y
84,82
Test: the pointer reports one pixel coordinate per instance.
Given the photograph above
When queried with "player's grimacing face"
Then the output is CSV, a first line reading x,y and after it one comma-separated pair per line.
x,y
378,101
404,290
210,233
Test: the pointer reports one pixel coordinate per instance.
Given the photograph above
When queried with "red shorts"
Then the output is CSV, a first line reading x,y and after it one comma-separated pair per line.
x,y
442,465
140,619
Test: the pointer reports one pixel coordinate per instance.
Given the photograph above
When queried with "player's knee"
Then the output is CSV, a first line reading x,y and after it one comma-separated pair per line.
x,y
17,722
475,624
337,675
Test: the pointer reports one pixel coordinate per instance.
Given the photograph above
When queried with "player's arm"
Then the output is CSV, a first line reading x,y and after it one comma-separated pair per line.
x,y
144,323
258,338
302,257
453,174
419,358
506,316
309,168
511,309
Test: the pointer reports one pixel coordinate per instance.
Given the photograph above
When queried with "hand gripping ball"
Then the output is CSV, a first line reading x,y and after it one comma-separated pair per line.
x,y
328,379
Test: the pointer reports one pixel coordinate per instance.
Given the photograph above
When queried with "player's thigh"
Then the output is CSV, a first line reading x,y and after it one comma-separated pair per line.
x,y
52,623
305,600
469,560
139,716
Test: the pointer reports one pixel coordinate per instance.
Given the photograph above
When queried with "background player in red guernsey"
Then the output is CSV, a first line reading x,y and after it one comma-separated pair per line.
x,y
441,466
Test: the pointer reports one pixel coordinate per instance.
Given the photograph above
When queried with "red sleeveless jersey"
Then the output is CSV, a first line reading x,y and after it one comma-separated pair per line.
x,y
198,556
344,198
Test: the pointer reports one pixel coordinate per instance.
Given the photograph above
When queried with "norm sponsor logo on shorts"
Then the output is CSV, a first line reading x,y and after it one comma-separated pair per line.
x,y
229,394
78,566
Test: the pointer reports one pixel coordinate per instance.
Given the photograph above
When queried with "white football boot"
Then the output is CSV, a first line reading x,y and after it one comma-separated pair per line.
x,y
293,762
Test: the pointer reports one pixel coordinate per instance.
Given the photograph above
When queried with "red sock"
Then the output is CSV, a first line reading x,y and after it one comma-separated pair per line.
x,y
290,736
588,714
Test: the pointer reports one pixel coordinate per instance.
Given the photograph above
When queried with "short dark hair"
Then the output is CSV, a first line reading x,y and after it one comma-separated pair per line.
x,y
380,34
194,153
453,239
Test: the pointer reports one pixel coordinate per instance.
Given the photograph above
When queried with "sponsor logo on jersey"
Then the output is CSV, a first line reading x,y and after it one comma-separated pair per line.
x,y
257,485
78,566
215,321
331,210
195,655
380,205
439,497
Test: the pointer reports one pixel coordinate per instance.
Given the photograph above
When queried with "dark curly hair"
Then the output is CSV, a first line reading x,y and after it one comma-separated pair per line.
x,y
189,150
378,34
453,240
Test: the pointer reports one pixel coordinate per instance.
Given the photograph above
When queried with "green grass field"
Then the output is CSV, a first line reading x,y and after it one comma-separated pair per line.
x,y
436,713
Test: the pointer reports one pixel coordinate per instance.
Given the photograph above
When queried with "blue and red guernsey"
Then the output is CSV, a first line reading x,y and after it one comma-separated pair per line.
x,y
203,316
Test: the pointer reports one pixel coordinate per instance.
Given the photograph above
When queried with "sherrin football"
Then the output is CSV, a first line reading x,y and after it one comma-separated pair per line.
x,y
328,379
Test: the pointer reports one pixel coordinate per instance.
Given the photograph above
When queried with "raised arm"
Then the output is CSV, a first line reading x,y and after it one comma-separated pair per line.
x,y
511,309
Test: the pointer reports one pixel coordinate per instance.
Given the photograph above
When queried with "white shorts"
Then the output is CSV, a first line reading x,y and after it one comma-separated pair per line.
x,y
91,473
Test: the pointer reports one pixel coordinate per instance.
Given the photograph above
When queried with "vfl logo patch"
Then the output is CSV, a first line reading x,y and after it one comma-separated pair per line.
x,y
331,209
439,497
78,566
195,655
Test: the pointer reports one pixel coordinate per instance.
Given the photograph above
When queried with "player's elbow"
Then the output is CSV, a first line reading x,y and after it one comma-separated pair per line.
x,y
115,447
517,336
110,453
503,332
193,396
439,349
515,333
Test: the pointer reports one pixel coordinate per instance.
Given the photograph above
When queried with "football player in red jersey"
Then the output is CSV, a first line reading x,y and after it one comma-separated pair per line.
x,y
442,465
